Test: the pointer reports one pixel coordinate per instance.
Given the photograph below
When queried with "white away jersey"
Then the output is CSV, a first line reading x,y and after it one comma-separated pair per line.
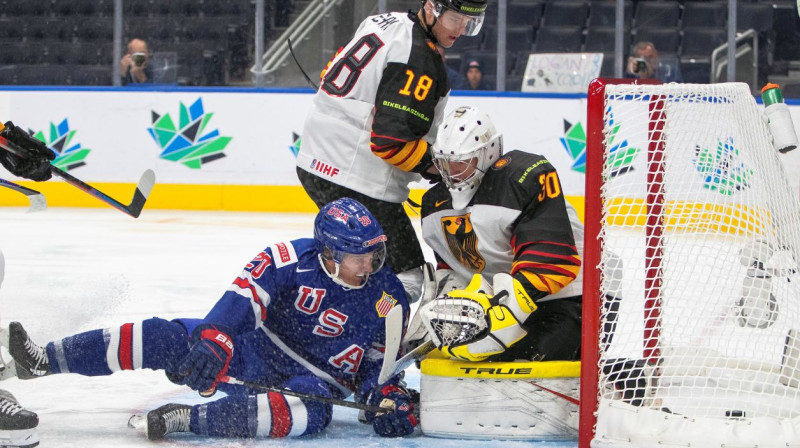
x,y
388,85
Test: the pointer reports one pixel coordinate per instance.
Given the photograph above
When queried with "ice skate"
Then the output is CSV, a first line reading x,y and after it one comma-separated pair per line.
x,y
17,425
30,359
162,421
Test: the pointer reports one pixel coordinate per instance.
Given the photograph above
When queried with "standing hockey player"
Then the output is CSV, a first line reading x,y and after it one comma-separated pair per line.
x,y
504,218
18,425
306,315
375,115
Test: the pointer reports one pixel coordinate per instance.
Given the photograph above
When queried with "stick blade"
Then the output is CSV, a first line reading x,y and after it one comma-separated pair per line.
x,y
38,203
143,189
409,358
394,334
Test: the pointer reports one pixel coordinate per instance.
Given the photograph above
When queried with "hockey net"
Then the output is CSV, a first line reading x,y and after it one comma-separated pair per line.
x,y
691,293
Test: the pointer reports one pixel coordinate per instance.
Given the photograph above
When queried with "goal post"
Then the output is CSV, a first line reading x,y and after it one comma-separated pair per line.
x,y
691,305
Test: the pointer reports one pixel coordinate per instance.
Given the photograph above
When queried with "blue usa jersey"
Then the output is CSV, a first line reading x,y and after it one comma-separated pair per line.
x,y
335,332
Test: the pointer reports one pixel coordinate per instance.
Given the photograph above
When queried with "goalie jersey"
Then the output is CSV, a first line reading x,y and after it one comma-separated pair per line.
x,y
337,333
518,222
379,104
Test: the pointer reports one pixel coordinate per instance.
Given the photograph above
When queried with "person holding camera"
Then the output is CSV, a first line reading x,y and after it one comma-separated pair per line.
x,y
645,63
134,67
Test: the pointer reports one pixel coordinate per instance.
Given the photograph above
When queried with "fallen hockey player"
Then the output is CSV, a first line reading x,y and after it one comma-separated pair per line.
x,y
306,315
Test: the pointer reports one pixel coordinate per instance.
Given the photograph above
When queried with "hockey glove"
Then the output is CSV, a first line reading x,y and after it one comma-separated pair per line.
x,y
435,283
208,359
399,423
34,164
503,312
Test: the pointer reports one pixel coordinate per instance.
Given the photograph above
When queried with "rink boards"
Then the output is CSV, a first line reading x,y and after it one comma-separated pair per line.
x,y
234,149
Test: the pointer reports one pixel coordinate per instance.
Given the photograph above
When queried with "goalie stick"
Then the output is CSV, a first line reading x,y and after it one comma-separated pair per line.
x,y
134,209
333,401
418,353
36,199
394,334
391,365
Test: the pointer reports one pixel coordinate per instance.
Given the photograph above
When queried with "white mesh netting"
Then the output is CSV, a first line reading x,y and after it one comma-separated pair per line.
x,y
454,320
698,319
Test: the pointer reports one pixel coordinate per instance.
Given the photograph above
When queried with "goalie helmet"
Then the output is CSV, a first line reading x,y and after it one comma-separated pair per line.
x,y
345,227
467,145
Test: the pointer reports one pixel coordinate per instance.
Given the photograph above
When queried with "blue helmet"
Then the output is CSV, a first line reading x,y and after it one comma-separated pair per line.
x,y
345,226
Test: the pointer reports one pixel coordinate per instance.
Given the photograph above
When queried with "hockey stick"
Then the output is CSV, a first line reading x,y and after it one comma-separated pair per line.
x,y
291,51
394,333
143,188
134,209
333,401
409,358
36,199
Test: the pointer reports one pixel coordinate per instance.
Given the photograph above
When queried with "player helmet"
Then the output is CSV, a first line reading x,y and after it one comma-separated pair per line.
x,y
345,227
473,9
466,146
466,7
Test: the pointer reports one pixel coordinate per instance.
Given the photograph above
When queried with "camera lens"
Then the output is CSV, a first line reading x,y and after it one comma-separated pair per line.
x,y
138,58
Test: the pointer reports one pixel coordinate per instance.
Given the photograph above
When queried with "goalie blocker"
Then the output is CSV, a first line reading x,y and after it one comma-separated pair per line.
x,y
530,400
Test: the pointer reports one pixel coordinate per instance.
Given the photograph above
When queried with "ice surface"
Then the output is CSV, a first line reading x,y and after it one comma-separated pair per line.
x,y
72,270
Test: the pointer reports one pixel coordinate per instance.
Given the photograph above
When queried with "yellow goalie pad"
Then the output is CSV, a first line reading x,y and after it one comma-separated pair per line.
x,y
438,364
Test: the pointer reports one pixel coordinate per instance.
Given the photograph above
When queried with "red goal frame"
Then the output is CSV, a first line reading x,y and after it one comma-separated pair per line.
x,y
595,154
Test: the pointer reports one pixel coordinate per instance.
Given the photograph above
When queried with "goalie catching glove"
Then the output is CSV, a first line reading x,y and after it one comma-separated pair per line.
x,y
472,324
402,421
34,164
208,359
435,283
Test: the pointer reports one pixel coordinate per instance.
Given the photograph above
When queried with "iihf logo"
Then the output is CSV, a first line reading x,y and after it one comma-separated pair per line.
x,y
324,168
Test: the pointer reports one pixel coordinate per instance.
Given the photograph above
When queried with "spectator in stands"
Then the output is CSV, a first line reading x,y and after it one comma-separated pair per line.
x,y
645,63
134,65
475,79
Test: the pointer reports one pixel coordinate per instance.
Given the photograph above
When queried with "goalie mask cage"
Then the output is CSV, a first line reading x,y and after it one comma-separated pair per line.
x,y
691,299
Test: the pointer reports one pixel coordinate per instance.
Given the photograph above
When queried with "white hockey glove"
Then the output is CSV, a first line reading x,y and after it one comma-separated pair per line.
x,y
435,283
472,324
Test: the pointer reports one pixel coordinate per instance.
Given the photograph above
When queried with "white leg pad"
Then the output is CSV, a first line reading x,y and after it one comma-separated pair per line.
x,y
522,408
790,363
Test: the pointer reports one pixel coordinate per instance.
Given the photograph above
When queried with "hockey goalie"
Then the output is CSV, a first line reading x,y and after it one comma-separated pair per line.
x,y
504,305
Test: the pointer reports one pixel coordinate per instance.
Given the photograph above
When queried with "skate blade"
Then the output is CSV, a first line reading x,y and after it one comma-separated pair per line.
x,y
7,370
20,438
